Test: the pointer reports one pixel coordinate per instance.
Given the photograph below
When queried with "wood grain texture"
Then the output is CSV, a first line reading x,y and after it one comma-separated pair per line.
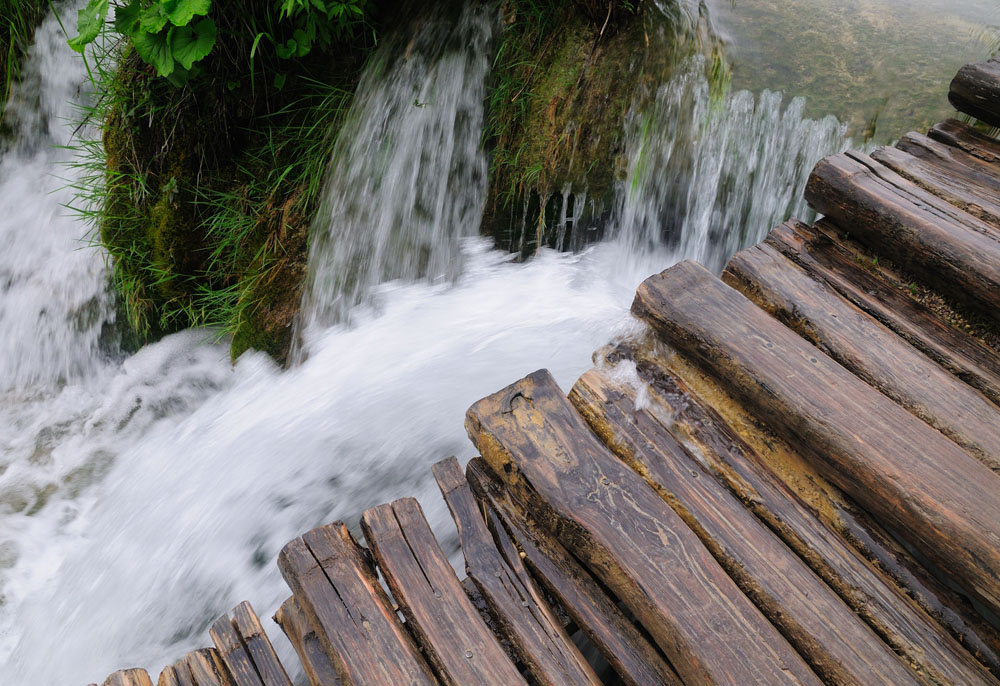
x,y
233,652
625,648
168,677
129,677
207,668
353,618
629,537
270,669
316,664
822,257
946,248
534,631
966,182
841,560
839,647
975,90
967,139
874,353
897,467
454,638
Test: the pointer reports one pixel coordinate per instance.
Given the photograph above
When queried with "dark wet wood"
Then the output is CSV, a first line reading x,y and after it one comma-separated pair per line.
x,y
455,640
967,139
233,653
965,181
316,664
207,668
943,246
129,677
533,629
897,467
182,672
975,90
837,559
822,257
629,537
353,618
839,647
246,622
857,341
624,646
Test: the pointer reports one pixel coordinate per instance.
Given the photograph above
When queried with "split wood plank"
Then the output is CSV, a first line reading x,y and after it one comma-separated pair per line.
x,y
968,183
448,627
129,677
975,90
629,537
967,139
624,646
207,668
840,560
233,653
353,617
535,633
168,677
839,647
252,633
874,353
898,468
182,673
822,257
945,247
295,624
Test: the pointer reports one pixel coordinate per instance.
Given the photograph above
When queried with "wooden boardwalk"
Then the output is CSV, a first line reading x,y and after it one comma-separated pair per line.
x,y
793,479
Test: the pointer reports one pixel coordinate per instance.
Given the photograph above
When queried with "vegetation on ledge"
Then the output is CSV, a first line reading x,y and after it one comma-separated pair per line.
x,y
18,20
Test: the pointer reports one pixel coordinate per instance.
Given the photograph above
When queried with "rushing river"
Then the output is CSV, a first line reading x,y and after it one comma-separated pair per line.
x,y
142,496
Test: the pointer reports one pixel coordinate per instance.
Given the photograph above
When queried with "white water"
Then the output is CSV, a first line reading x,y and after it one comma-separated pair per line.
x,y
170,480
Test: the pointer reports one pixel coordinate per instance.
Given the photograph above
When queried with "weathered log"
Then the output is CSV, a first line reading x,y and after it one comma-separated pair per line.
x,y
967,139
886,607
823,258
966,182
897,467
207,668
629,537
839,647
129,677
317,665
946,248
352,616
535,633
168,677
447,626
233,653
246,622
975,90
182,673
625,648
874,353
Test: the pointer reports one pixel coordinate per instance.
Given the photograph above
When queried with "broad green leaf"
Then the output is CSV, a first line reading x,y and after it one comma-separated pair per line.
x,y
153,18
188,44
302,43
279,81
89,21
181,12
127,18
154,48
286,50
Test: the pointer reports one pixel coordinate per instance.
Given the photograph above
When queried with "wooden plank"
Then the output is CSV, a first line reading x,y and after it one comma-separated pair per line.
x,y
345,603
453,637
168,677
810,528
948,249
967,139
624,646
317,665
207,668
839,647
822,257
182,671
233,652
975,90
969,184
874,353
253,636
129,677
629,537
898,468
535,633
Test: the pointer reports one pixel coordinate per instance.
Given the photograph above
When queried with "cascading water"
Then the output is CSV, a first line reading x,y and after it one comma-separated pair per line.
x,y
140,498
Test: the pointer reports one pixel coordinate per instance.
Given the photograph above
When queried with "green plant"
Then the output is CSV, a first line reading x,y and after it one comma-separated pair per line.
x,y
18,20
